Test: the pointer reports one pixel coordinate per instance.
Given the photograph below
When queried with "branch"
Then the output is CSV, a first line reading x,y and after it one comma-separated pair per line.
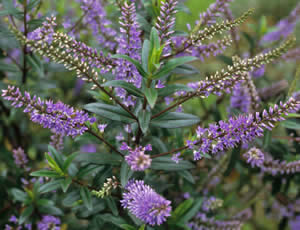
x,y
104,141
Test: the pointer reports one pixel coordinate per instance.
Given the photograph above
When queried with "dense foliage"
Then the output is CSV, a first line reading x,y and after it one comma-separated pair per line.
x,y
148,136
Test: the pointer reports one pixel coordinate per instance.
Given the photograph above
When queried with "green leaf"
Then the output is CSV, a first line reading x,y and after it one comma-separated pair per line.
x,y
71,198
50,186
9,67
52,163
51,210
154,39
172,64
151,95
291,124
11,9
191,213
45,173
112,206
68,161
142,227
86,197
180,211
45,202
26,214
88,169
186,69
126,173
19,195
125,85
66,183
170,89
118,221
127,227
100,158
175,120
187,175
167,164
144,117
136,63
145,54
267,139
110,112
56,156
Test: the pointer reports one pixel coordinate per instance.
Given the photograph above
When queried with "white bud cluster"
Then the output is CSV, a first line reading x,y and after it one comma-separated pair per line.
x,y
108,186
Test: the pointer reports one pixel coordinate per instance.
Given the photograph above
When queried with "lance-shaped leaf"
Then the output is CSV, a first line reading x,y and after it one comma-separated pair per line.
x,y
100,158
151,95
175,120
136,63
167,164
172,64
110,112
86,198
130,88
144,119
170,89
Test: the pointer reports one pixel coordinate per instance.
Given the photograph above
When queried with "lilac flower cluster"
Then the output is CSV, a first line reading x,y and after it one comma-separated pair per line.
x,y
166,21
255,157
224,80
96,18
14,221
137,159
211,204
276,167
20,158
61,119
176,157
143,202
45,32
284,27
213,11
211,49
129,44
49,223
242,129
240,98
203,222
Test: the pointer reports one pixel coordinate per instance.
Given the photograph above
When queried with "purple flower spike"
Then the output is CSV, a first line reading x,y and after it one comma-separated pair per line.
x,y
213,11
255,157
20,158
137,159
143,202
242,129
49,223
284,27
61,119
129,44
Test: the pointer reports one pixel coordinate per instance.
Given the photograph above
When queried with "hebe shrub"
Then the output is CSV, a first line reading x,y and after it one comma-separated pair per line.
x,y
126,154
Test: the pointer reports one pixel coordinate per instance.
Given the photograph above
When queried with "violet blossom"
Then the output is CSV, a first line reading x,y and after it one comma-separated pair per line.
x,y
143,202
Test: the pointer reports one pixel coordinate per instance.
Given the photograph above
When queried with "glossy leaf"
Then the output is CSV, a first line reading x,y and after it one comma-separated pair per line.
x,y
110,112
167,164
170,89
100,158
45,173
151,95
175,120
86,198
125,85
172,64
144,120
136,63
